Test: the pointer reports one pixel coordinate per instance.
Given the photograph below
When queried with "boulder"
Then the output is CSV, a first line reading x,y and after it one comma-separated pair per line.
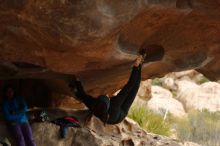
x,y
98,40
205,96
162,102
169,83
144,91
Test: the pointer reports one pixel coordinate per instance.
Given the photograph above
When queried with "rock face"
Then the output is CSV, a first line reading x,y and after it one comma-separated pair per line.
x,y
97,39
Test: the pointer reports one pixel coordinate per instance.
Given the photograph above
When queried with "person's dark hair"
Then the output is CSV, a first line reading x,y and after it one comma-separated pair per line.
x,y
5,89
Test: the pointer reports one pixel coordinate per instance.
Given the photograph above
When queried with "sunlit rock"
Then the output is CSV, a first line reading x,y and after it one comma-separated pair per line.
x,y
205,96
162,102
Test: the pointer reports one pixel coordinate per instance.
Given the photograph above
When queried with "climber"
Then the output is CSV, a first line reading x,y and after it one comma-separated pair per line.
x,y
113,110
14,110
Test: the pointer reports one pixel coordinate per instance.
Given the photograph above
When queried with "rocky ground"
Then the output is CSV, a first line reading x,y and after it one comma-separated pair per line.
x,y
127,133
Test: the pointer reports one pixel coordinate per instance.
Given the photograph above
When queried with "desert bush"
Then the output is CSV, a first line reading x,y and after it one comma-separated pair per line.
x,y
202,127
157,82
202,80
149,120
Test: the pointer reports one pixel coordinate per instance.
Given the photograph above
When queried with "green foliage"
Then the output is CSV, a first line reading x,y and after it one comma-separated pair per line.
x,y
202,80
174,93
149,121
157,82
202,127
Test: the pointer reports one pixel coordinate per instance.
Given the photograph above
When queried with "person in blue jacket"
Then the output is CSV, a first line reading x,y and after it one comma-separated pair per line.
x,y
14,110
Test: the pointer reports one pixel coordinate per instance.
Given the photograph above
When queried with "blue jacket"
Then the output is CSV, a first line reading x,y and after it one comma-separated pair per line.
x,y
15,110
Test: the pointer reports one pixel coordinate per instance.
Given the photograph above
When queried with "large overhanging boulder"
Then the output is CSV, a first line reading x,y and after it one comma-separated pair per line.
x,y
98,39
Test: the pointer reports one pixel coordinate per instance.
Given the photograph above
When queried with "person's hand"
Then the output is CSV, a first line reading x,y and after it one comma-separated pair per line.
x,y
139,60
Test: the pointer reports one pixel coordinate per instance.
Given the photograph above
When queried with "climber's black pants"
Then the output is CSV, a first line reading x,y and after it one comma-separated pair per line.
x,y
121,103
88,100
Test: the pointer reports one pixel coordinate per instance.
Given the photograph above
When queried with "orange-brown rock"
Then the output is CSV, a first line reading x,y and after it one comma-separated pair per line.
x,y
98,39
